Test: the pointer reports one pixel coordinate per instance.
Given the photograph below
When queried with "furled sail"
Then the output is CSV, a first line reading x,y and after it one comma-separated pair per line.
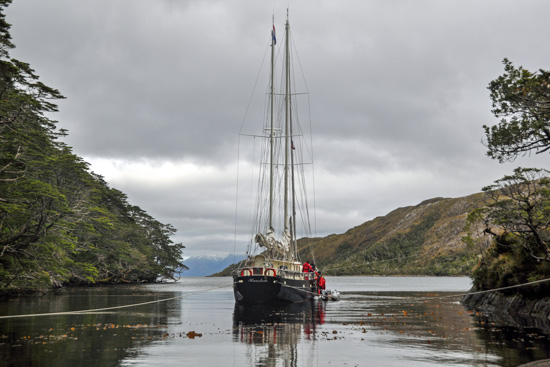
x,y
269,242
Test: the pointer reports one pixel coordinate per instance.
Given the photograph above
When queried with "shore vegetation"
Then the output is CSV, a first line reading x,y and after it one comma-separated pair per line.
x,y
60,223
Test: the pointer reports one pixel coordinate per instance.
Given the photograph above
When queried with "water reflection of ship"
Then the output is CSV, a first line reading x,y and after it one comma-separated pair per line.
x,y
281,324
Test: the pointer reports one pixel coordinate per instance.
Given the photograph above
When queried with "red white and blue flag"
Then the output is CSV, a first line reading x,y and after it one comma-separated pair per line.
x,y
273,35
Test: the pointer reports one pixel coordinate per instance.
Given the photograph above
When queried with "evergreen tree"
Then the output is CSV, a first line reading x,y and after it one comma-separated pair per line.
x,y
517,212
522,100
59,223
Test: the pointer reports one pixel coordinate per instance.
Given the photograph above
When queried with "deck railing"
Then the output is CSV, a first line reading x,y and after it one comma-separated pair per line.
x,y
265,271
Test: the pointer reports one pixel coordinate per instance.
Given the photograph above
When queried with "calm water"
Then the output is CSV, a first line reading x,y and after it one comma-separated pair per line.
x,y
396,321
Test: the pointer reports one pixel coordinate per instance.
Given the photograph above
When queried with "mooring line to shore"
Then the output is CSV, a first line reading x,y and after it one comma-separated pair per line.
x,y
478,292
505,288
91,311
448,296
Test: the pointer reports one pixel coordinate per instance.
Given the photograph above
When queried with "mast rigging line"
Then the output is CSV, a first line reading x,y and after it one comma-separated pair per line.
x,y
239,151
309,147
286,89
267,136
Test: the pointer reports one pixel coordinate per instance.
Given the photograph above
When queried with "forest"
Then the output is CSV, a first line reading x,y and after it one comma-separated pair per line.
x,y
60,223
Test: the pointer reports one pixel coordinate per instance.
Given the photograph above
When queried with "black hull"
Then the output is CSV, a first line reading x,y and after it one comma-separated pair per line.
x,y
258,289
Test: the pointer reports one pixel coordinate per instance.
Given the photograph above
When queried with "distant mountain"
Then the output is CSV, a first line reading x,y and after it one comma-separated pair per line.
x,y
207,265
425,239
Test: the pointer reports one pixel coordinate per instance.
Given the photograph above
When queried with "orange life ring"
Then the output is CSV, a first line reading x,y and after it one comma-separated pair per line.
x,y
246,272
270,272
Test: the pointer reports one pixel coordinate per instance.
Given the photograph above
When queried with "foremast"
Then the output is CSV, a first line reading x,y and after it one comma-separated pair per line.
x,y
271,129
289,150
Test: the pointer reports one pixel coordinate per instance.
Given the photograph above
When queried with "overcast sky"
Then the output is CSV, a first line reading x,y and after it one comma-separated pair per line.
x,y
157,91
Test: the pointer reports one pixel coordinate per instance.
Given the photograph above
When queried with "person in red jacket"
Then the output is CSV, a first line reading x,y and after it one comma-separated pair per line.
x,y
321,281
307,268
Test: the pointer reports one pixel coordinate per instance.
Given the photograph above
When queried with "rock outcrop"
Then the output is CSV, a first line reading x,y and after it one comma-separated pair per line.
x,y
511,309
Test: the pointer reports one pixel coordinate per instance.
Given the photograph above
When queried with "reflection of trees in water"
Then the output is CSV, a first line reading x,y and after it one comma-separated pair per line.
x,y
441,322
517,340
88,339
273,331
426,320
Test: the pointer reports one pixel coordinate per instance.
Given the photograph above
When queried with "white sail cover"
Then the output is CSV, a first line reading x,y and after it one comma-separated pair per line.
x,y
285,241
268,241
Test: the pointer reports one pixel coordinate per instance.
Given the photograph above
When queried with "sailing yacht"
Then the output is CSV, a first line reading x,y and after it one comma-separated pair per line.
x,y
276,272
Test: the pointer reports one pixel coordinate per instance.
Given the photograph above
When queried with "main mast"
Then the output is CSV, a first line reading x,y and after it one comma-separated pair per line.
x,y
287,121
291,152
271,138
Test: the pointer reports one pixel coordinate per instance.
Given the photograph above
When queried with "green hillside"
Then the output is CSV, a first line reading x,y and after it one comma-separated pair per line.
x,y
425,239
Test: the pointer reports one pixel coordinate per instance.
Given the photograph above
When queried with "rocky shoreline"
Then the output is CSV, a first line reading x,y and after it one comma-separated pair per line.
x,y
511,309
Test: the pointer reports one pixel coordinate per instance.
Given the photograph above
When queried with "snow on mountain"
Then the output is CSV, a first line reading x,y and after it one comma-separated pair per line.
x,y
201,266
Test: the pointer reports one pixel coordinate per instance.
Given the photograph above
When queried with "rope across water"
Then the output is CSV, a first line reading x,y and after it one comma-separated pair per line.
x,y
456,295
110,308
490,290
